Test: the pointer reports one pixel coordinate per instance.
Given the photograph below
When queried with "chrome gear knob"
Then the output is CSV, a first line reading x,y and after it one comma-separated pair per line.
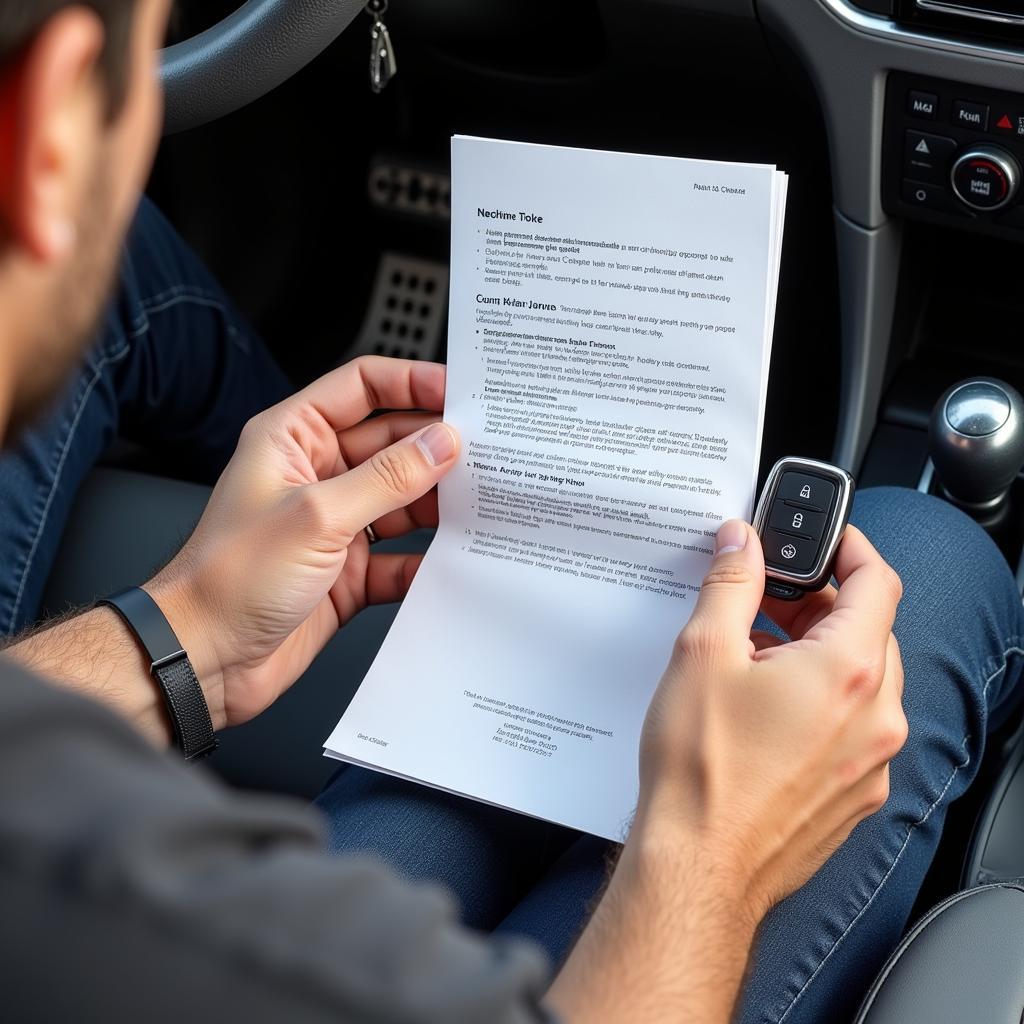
x,y
976,442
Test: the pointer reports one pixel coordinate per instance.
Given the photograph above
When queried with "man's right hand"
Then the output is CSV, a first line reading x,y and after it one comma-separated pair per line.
x,y
757,760
764,753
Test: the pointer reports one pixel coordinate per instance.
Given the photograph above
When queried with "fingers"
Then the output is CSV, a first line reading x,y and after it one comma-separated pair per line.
x,y
358,443
869,590
855,635
732,590
388,577
350,393
418,515
387,481
795,618
316,417
799,617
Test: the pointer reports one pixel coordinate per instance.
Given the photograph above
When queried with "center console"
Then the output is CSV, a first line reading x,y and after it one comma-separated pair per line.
x,y
953,154
924,110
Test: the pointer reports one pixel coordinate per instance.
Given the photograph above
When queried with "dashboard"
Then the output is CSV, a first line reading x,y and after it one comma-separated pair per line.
x,y
900,122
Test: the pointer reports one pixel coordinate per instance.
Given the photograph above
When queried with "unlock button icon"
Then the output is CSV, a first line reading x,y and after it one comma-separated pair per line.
x,y
792,519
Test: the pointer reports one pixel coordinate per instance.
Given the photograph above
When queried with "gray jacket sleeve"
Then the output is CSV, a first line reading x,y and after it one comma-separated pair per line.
x,y
135,888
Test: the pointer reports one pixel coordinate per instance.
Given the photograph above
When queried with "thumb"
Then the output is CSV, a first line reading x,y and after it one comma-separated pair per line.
x,y
392,478
733,587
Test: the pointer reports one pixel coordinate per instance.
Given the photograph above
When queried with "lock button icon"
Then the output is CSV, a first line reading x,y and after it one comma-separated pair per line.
x,y
805,491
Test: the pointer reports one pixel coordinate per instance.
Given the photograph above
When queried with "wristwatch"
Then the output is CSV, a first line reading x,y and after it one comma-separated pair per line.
x,y
189,713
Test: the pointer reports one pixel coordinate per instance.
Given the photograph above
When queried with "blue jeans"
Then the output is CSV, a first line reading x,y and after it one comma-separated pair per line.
x,y
174,368
961,633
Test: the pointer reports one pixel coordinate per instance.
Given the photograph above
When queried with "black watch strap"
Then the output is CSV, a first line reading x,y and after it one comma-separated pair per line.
x,y
173,672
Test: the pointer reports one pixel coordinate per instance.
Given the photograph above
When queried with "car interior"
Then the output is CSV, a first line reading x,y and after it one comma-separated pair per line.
x,y
322,205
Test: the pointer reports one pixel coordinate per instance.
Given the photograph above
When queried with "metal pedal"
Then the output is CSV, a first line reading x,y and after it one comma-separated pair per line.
x,y
407,309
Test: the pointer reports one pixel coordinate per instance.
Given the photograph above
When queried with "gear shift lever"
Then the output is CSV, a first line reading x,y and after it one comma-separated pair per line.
x,y
976,440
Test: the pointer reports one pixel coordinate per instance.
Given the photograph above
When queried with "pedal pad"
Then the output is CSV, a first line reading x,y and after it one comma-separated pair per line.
x,y
404,188
407,309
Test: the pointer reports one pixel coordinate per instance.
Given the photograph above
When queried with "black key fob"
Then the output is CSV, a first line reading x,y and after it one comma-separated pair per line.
x,y
803,511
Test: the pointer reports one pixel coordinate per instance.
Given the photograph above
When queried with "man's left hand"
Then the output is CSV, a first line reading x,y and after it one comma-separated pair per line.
x,y
280,559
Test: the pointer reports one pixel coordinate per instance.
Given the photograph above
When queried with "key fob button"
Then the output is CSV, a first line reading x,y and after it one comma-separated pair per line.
x,y
794,554
812,491
794,519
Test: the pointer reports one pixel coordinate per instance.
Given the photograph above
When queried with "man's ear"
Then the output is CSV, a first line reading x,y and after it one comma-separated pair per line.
x,y
51,106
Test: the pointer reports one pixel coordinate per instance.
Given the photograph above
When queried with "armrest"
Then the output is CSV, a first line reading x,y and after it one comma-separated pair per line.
x,y
964,961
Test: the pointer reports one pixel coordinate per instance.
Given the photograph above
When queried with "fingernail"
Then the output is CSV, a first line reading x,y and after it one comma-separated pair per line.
x,y
732,536
437,443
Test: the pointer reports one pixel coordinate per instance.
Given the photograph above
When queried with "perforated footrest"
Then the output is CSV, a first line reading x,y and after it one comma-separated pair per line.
x,y
406,314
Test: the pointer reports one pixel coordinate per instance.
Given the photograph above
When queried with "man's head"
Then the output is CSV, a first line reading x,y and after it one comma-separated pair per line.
x,y
79,120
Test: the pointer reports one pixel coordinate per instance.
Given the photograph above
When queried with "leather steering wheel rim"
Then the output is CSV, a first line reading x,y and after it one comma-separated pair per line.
x,y
243,57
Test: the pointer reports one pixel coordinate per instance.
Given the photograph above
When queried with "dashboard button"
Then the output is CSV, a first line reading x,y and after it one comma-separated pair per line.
x,y
926,156
986,177
793,553
922,104
931,196
1004,123
970,115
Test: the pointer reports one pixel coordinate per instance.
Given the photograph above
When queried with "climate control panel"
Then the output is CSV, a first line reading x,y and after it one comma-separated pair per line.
x,y
954,154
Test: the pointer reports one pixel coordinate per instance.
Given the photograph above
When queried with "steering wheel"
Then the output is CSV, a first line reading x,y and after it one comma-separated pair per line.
x,y
250,52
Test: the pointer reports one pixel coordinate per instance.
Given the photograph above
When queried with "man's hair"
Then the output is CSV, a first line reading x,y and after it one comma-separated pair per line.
x,y
21,20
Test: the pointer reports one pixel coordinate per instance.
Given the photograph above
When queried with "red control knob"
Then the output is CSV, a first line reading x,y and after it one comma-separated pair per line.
x,y
986,177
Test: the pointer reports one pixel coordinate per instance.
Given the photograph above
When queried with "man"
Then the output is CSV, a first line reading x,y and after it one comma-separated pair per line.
x,y
134,888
